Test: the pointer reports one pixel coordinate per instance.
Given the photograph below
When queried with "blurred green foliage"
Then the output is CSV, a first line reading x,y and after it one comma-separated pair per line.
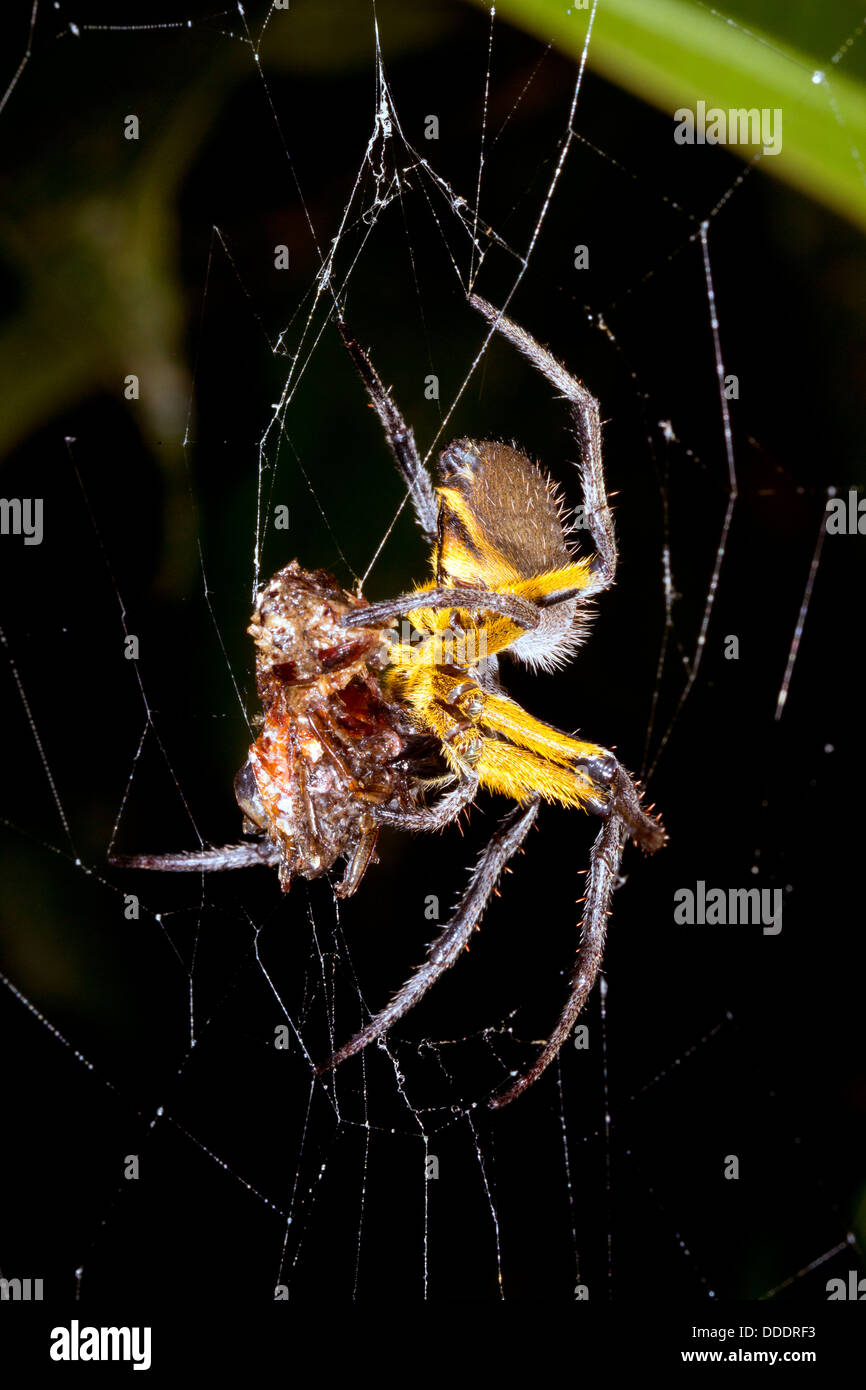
x,y
89,232
674,53
89,229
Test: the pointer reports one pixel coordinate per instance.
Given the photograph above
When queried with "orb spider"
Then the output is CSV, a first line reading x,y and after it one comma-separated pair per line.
x,y
354,711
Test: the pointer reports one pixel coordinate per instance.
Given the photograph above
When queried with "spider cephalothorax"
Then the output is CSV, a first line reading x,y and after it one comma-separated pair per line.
x,y
348,701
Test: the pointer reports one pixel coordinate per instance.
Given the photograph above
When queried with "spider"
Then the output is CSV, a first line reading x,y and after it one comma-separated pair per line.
x,y
365,726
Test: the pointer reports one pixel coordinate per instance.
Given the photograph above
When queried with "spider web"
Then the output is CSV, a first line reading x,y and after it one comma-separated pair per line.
x,y
156,1035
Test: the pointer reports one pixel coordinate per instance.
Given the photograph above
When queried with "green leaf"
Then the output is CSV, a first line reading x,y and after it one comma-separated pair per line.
x,y
674,53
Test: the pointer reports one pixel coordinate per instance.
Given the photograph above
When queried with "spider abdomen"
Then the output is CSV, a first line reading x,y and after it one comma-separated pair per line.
x,y
501,522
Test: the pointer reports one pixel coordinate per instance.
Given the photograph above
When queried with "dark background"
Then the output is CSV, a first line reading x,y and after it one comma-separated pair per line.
x,y
717,1041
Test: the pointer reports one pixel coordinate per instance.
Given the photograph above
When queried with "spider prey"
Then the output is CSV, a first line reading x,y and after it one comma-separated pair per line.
x,y
354,712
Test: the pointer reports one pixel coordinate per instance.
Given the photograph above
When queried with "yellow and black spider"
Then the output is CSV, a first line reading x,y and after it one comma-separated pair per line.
x,y
352,706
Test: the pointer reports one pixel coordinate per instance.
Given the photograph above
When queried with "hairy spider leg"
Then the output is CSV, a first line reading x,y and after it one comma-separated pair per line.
x,y
209,859
528,757
444,811
587,423
435,679
623,816
399,438
604,860
449,944
521,611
